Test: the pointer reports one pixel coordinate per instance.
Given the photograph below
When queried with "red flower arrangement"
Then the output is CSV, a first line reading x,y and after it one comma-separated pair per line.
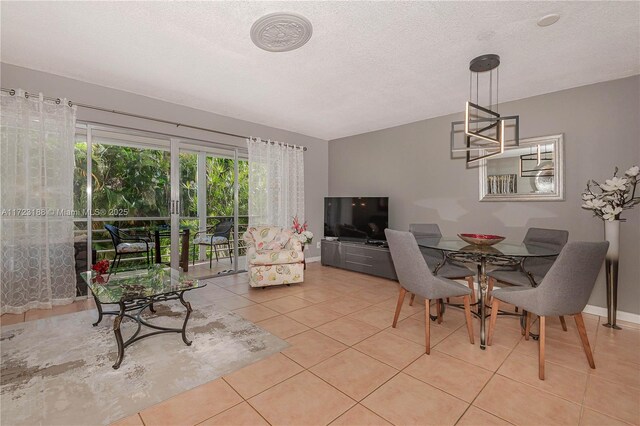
x,y
299,228
300,231
101,267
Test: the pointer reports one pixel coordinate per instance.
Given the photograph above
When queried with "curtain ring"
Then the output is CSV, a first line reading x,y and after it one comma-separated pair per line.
x,y
12,92
26,95
58,101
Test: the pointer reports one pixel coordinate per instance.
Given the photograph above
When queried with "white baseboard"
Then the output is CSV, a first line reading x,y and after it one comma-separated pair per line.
x,y
313,259
602,312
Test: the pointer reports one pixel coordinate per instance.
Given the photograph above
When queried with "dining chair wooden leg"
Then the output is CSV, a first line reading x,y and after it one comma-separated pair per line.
x,y
472,287
563,323
492,320
427,326
467,314
403,292
527,325
413,297
439,310
541,321
585,339
489,296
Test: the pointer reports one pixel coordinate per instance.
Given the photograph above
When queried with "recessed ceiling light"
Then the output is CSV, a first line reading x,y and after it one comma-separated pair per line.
x,y
547,20
281,32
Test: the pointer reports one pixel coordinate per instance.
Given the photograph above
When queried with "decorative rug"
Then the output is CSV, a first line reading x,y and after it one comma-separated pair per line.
x,y
58,371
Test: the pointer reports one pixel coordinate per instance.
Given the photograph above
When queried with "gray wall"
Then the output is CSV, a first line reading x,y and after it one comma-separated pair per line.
x,y
315,160
411,164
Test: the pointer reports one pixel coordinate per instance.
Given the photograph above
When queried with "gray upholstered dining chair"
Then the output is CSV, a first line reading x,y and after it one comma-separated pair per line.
x,y
450,270
536,266
565,290
416,277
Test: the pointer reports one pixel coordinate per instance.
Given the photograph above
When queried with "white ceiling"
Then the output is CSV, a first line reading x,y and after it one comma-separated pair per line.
x,y
368,65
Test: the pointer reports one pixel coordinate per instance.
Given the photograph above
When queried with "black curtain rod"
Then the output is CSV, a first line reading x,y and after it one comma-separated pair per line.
x,y
13,92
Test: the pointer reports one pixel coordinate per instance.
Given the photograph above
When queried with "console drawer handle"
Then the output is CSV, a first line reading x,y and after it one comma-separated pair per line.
x,y
358,263
359,255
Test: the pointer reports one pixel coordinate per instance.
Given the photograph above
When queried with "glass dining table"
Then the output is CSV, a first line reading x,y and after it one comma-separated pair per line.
x,y
501,254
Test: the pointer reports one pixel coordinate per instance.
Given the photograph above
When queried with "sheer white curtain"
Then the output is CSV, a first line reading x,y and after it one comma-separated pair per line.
x,y
36,203
276,183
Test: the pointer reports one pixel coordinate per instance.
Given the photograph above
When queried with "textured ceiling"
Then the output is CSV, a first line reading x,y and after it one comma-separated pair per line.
x,y
369,65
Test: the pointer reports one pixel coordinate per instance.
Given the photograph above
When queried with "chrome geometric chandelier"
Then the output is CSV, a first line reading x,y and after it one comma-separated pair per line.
x,y
484,132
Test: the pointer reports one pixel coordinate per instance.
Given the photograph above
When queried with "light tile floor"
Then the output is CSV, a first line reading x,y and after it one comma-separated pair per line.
x,y
347,366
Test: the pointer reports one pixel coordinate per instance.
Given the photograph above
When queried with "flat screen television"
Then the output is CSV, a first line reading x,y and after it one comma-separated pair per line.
x,y
356,218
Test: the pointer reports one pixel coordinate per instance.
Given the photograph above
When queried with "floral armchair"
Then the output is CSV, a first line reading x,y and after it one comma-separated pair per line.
x,y
274,256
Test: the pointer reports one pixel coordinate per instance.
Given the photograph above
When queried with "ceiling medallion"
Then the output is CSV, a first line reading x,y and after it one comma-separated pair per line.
x,y
281,32
484,129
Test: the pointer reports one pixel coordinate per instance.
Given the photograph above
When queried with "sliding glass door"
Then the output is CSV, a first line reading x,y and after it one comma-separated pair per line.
x,y
166,197
207,208
129,193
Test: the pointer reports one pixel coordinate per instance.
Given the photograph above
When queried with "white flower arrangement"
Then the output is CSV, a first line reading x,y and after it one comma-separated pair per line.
x,y
304,237
607,200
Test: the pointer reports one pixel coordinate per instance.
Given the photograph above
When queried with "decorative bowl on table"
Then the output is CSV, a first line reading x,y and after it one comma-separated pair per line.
x,y
481,239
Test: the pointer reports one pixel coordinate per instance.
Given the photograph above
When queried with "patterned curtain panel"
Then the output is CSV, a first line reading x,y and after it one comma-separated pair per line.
x,y
276,183
36,203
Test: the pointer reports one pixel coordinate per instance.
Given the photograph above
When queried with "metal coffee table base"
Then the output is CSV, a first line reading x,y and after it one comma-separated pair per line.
x,y
133,310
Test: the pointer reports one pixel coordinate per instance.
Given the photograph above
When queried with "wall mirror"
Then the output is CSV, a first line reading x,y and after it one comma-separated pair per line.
x,y
533,171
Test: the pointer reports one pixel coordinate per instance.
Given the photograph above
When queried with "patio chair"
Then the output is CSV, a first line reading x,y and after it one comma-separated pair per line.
x,y
564,290
125,244
213,237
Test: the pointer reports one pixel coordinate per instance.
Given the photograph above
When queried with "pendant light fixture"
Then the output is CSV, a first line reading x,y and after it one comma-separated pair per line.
x,y
483,132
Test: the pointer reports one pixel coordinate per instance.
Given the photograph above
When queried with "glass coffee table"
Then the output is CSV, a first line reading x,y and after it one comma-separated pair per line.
x,y
136,292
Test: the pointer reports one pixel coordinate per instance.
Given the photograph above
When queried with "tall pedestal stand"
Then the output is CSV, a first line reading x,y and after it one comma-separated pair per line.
x,y
612,234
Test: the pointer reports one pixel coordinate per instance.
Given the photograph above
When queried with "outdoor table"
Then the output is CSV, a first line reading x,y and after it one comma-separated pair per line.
x,y
165,231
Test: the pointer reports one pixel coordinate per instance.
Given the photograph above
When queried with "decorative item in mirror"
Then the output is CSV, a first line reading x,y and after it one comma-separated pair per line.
x,y
540,160
502,184
533,171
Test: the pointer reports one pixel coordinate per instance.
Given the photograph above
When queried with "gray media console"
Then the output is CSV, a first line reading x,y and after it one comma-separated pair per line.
x,y
358,257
